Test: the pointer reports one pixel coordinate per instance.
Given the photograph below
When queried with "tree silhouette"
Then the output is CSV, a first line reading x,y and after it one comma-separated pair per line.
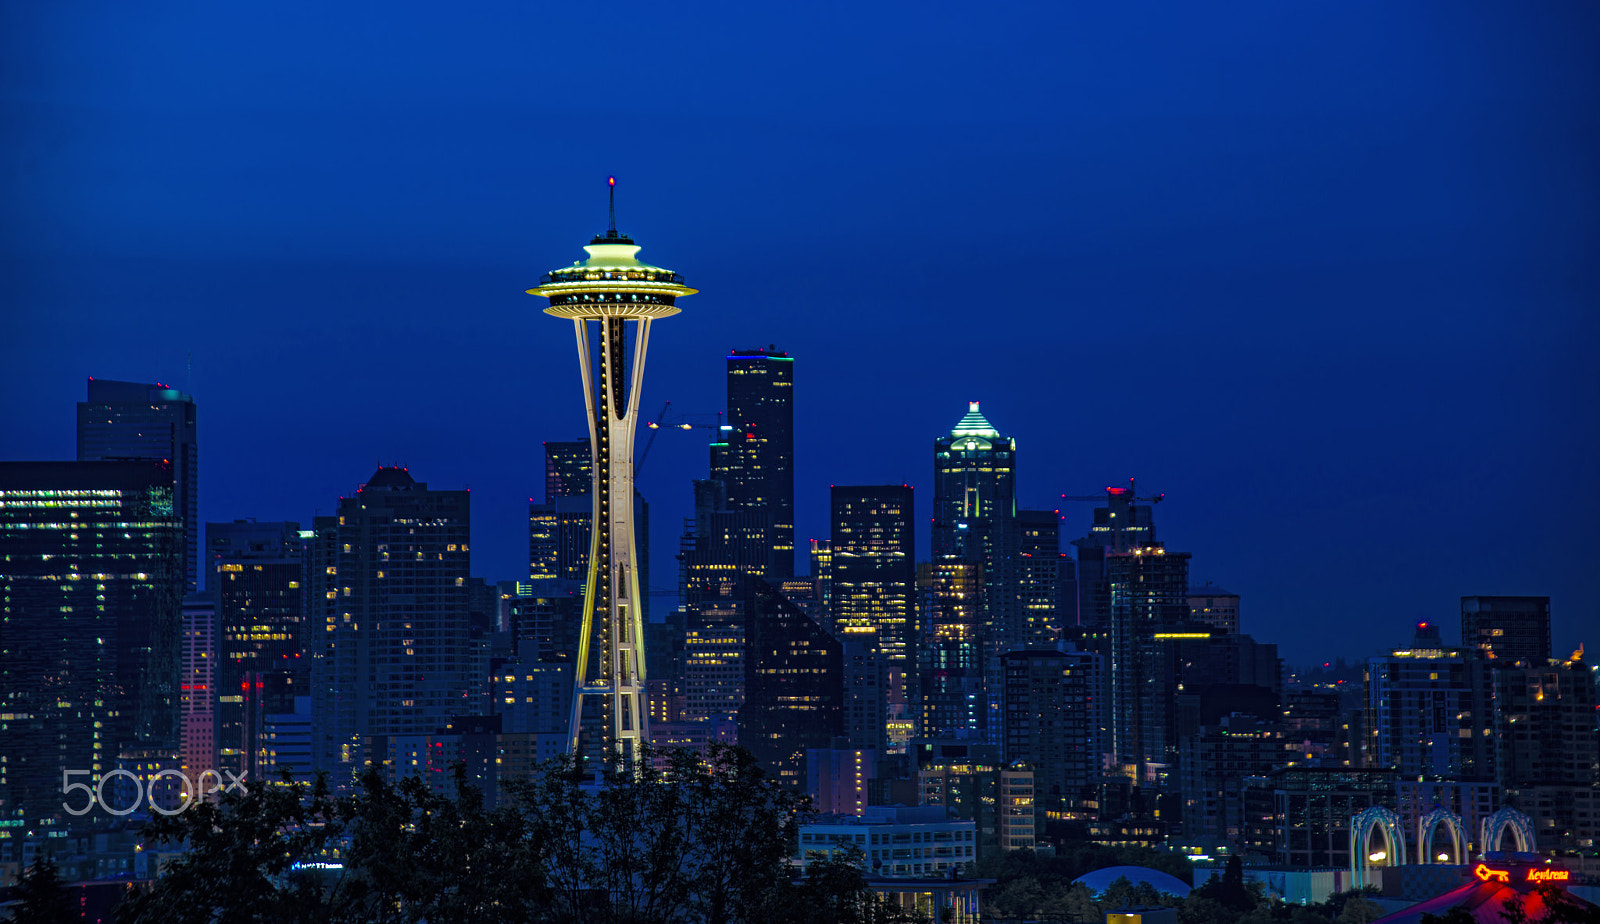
x,y
41,896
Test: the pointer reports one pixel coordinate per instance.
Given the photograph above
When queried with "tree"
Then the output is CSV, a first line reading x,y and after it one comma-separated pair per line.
x,y
241,853
1358,909
683,839
1233,893
41,896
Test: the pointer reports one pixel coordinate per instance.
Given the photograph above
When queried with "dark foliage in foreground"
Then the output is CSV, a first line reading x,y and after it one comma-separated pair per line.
x,y
704,841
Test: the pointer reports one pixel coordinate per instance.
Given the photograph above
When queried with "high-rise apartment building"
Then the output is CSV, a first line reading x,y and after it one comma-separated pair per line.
x,y
1507,629
713,653
1052,721
568,469
91,596
1214,607
1214,761
1039,572
954,700
134,420
757,461
1148,590
397,660
997,797
561,530
1120,525
1429,710
722,545
197,687
1547,751
558,539
257,572
822,574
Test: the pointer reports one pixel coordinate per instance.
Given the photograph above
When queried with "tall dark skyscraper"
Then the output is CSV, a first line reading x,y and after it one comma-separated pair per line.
x,y
1039,569
1149,589
133,420
1120,525
398,659
794,685
1547,754
256,578
723,544
1053,720
757,463
975,518
1507,629
568,469
91,596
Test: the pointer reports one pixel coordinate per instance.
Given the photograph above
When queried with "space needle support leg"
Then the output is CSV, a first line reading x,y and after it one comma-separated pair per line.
x,y
581,666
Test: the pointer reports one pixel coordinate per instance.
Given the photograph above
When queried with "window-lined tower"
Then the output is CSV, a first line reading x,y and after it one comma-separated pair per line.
x,y
621,296
135,420
756,462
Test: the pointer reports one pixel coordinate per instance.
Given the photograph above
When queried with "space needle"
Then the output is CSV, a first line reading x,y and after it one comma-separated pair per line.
x,y
622,296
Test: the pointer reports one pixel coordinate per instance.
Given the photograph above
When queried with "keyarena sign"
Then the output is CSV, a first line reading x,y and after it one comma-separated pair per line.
x,y
1522,875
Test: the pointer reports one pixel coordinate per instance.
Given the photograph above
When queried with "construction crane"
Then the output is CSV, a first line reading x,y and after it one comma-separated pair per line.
x,y
654,425
679,422
1115,492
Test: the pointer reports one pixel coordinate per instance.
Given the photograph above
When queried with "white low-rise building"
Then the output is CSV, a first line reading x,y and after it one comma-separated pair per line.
x,y
895,841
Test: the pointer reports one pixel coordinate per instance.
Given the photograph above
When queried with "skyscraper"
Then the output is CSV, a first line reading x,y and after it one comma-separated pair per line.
x,y
1429,710
91,595
614,290
975,518
197,698
874,565
256,576
560,530
133,420
397,660
1507,629
874,586
1039,570
1052,721
1547,753
794,685
1120,525
568,469
757,462
1148,590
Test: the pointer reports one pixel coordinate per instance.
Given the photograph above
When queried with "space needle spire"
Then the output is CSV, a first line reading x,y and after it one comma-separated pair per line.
x,y
621,297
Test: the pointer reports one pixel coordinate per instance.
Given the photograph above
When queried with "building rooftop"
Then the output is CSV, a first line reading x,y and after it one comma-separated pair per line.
x,y
974,424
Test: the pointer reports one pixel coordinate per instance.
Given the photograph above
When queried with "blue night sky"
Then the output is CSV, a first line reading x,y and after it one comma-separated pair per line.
x,y
1323,273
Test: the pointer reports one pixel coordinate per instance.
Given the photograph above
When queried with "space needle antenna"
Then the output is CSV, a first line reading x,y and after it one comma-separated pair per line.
x,y
611,229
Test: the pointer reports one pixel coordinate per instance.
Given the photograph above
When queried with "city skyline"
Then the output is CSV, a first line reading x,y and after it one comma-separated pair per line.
x,y
1340,322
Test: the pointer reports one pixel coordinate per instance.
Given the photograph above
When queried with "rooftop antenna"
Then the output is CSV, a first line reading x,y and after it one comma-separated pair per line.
x,y
611,229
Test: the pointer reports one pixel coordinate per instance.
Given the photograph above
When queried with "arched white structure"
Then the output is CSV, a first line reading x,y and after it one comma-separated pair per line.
x,y
1495,825
1361,828
1429,823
